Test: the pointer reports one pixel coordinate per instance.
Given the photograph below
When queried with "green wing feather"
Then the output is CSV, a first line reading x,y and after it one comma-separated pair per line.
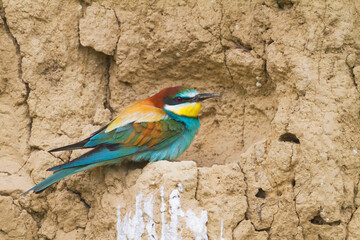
x,y
142,134
130,139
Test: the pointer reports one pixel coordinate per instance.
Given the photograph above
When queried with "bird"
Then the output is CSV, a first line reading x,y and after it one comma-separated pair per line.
x,y
160,127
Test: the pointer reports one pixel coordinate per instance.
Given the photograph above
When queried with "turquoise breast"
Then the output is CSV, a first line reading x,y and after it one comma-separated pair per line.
x,y
177,144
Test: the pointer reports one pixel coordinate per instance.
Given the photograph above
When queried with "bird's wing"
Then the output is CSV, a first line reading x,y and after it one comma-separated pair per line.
x,y
137,112
142,134
138,129
135,137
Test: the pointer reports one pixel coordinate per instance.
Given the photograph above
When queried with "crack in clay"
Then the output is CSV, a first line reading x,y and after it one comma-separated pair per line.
x,y
62,160
356,189
352,75
295,196
229,71
226,65
223,47
266,73
119,25
197,183
238,43
243,123
107,87
220,38
20,76
245,194
321,44
84,6
81,199
272,221
38,217
7,173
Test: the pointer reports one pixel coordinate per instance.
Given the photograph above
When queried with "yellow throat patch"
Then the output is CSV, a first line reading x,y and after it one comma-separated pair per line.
x,y
186,109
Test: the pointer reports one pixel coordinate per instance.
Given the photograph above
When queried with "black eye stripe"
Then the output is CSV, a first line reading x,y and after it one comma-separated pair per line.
x,y
174,101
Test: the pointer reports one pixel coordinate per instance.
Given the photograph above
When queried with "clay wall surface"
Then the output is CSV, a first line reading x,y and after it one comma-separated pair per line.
x,y
276,157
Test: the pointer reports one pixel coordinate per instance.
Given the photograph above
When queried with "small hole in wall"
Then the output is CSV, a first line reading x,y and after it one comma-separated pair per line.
x,y
284,4
318,220
289,137
293,182
261,193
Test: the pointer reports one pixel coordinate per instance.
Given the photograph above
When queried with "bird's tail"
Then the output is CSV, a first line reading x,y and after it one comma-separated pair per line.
x,y
57,177
99,156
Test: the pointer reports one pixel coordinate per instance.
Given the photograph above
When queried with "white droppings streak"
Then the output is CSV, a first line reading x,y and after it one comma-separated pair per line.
x,y
131,228
197,225
134,227
180,187
119,227
173,231
164,226
150,225
323,215
221,230
175,212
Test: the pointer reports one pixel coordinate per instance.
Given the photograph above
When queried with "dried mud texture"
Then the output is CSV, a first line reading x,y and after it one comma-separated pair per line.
x,y
277,157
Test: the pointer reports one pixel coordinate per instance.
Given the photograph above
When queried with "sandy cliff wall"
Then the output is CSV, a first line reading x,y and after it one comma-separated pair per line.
x,y
277,157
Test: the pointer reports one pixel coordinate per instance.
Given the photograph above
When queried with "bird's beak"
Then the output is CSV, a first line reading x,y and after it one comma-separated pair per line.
x,y
202,96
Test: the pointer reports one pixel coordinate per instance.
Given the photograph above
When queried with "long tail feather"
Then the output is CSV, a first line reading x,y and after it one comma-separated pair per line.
x,y
78,145
97,155
100,156
64,173
53,179
81,144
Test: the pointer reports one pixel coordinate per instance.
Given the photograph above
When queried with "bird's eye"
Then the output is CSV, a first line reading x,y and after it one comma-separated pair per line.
x,y
178,99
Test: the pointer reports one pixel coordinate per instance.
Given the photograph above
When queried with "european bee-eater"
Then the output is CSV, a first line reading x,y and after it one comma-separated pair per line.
x,y
158,128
